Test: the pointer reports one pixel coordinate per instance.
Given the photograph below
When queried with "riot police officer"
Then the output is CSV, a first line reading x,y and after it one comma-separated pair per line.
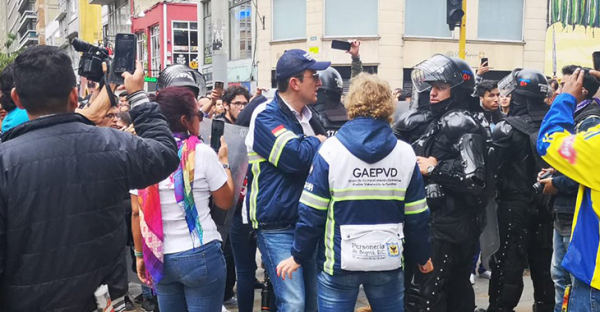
x,y
329,109
451,158
524,221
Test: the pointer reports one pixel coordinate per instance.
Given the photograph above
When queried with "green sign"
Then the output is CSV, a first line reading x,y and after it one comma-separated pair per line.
x,y
150,79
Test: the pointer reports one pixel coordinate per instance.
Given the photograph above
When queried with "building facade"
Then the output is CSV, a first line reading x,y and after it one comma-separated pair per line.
x,y
21,20
398,34
231,27
167,34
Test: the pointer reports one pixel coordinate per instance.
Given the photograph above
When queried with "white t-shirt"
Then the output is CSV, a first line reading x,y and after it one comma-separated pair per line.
x,y
209,176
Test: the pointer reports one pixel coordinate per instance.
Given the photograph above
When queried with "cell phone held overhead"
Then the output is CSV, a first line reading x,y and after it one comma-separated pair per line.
x,y
125,54
341,45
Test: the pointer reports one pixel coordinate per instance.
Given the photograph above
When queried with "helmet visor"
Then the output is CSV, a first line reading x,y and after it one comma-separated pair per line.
x,y
439,69
508,84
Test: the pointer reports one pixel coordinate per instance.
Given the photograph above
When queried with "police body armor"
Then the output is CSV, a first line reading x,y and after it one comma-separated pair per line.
x,y
466,137
412,125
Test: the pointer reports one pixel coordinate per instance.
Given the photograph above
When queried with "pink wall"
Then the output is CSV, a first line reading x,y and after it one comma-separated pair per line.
x,y
154,16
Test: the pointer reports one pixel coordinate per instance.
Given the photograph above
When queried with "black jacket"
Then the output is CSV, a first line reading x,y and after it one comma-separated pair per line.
x,y
62,231
457,216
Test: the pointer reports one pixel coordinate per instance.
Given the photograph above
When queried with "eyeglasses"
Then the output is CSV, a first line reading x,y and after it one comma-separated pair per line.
x,y
239,103
315,77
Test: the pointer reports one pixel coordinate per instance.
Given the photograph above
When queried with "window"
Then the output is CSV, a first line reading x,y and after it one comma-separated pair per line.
x,y
155,51
507,21
426,18
289,19
117,18
185,42
339,21
207,20
240,29
142,48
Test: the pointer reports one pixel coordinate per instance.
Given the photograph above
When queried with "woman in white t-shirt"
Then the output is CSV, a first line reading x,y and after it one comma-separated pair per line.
x,y
180,253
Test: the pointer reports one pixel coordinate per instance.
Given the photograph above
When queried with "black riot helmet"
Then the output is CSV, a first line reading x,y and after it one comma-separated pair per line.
x,y
329,109
448,70
526,82
179,75
440,68
529,88
332,85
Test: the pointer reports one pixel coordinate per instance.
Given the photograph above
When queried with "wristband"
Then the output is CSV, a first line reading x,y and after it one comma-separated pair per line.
x,y
138,254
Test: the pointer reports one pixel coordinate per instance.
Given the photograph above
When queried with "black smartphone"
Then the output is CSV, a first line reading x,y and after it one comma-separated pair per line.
x,y
124,58
219,84
341,45
216,132
596,57
484,60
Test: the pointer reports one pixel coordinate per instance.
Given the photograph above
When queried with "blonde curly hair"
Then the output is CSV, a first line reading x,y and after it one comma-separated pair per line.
x,y
369,96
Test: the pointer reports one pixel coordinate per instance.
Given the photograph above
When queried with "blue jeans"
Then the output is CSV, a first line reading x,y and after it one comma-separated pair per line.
x,y
146,292
584,298
244,255
560,276
385,290
298,294
194,280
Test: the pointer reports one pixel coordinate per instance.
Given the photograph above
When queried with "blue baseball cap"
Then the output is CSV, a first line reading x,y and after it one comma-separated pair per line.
x,y
295,61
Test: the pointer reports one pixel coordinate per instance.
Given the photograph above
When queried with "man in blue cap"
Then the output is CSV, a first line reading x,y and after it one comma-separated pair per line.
x,y
282,141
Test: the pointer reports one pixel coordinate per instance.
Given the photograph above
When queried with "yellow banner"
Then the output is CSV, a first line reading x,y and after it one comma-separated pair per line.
x,y
573,46
90,22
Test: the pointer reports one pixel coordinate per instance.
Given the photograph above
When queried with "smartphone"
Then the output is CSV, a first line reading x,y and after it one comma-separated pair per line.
x,y
219,84
341,45
484,60
216,132
124,58
596,57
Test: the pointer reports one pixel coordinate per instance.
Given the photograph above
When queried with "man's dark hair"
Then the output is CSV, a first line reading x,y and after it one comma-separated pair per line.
x,y
590,83
486,86
122,94
282,85
554,84
125,118
175,102
44,78
569,69
234,91
6,84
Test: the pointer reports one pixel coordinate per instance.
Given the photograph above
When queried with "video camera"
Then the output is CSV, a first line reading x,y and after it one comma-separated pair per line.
x,y
90,64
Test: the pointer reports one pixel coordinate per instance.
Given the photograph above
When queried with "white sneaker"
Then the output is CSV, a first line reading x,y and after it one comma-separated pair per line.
x,y
224,309
472,279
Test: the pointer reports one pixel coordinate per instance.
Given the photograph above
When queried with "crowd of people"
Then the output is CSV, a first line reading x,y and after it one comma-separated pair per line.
x,y
374,188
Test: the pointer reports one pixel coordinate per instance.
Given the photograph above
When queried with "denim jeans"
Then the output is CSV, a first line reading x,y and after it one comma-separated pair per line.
x,y
560,276
194,280
385,290
244,254
584,298
298,294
